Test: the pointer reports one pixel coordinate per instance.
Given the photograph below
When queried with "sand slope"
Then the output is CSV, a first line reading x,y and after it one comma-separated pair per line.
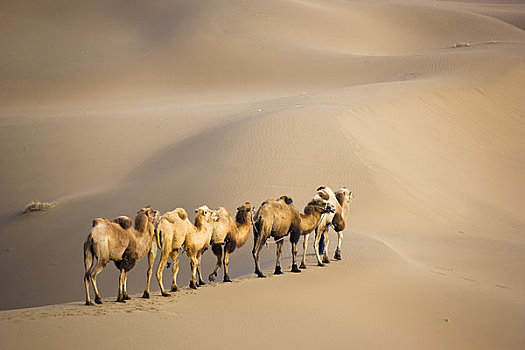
x,y
106,107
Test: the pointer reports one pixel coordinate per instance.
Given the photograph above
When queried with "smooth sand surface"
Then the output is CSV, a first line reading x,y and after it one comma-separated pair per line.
x,y
417,106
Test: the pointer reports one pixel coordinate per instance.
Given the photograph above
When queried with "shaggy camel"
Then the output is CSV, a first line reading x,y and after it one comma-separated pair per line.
x,y
277,218
116,240
233,234
175,231
344,197
337,219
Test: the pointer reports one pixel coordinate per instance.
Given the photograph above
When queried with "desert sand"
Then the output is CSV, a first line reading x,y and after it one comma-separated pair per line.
x,y
417,106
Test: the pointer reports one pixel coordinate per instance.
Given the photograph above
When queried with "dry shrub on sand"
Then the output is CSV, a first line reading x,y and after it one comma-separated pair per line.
x,y
38,206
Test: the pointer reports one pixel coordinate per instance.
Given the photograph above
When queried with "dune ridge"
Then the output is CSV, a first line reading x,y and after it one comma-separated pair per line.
x,y
108,106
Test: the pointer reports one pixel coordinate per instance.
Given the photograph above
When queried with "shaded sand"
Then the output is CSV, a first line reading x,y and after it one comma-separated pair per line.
x,y
106,107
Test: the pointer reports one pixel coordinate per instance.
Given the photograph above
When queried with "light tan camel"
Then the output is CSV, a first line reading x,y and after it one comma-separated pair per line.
x,y
277,218
322,230
230,233
337,219
116,240
175,231
344,197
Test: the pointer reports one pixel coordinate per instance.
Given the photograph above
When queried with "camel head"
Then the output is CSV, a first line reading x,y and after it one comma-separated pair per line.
x,y
322,205
349,196
206,213
243,211
145,216
246,208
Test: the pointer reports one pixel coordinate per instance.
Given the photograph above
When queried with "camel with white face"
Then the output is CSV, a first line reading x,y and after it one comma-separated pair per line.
x,y
174,232
338,219
344,197
232,234
118,241
324,225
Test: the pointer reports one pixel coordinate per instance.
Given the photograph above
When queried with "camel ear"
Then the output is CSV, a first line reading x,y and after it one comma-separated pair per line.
x,y
321,188
324,195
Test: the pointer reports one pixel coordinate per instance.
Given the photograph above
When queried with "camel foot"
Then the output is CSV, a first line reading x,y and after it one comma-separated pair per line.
x,y
326,260
174,289
201,283
302,266
295,268
337,255
260,275
127,297
277,271
227,279
320,264
121,300
145,295
211,277
89,303
165,294
98,300
193,285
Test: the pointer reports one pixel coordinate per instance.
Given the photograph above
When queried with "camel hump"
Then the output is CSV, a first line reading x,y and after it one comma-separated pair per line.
x,y
182,214
123,221
286,199
98,221
340,196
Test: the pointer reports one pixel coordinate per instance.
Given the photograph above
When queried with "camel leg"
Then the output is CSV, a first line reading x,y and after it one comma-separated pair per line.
x,y
163,260
152,254
278,250
258,244
294,239
88,264
199,274
305,245
337,255
126,296
98,268
228,249
318,234
175,269
325,254
193,263
122,277
217,250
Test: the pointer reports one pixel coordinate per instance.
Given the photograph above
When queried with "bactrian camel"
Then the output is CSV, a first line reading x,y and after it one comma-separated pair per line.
x,y
313,214
230,233
344,197
118,241
330,219
278,218
175,231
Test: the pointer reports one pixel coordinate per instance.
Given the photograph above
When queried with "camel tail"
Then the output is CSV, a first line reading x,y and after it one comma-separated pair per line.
x,y
89,254
158,238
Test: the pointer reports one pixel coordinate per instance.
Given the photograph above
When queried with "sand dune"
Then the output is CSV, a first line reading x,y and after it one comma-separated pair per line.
x,y
107,106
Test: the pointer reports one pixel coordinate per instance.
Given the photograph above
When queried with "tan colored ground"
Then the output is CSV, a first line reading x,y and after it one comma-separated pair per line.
x,y
107,106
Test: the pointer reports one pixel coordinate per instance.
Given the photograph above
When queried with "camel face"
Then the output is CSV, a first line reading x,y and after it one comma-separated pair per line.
x,y
153,215
322,205
207,213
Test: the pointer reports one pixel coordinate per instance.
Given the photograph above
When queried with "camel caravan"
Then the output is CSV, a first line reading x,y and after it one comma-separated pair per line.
x,y
125,241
